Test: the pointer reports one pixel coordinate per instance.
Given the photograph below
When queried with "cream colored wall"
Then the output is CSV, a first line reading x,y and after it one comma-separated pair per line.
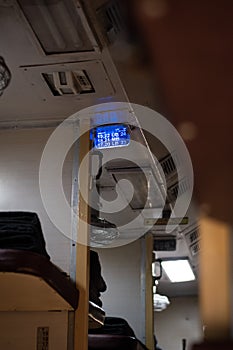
x,y
20,153
18,330
121,271
181,320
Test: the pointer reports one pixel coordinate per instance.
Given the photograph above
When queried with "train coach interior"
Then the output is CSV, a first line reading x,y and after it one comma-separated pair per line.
x,y
109,120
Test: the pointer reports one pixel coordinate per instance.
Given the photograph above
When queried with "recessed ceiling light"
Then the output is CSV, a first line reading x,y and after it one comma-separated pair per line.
x,y
178,270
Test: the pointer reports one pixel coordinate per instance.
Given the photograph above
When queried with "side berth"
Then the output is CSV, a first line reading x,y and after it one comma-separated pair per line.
x,y
37,299
31,282
36,302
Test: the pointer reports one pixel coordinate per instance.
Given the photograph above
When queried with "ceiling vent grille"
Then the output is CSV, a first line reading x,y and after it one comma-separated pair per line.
x,y
193,241
192,236
68,82
177,189
168,165
112,19
195,248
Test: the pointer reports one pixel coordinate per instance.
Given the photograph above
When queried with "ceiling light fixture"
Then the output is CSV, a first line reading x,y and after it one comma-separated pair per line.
x,y
103,232
178,270
57,25
160,302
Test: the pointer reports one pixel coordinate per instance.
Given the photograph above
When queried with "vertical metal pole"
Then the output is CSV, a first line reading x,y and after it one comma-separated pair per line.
x,y
143,290
74,204
149,293
147,310
73,243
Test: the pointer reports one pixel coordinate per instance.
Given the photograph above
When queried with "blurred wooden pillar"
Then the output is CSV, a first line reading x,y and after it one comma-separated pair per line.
x,y
182,60
215,285
215,278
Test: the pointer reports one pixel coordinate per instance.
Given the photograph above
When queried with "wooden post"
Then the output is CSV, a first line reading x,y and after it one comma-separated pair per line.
x,y
82,255
215,278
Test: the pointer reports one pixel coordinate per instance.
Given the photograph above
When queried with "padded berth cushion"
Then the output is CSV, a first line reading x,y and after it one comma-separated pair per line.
x,y
26,262
116,333
21,230
111,342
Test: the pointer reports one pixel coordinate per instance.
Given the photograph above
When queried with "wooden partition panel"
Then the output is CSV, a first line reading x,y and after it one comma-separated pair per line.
x,y
82,256
215,278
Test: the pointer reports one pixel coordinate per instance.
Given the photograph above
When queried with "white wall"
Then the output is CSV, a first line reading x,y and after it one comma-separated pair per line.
x,y
180,320
121,271
20,154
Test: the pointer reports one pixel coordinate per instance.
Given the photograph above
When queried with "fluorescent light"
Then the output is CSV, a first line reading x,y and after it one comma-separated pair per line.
x,y
57,25
178,270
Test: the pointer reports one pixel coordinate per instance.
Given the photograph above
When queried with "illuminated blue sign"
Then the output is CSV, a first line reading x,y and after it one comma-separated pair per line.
x,y
110,136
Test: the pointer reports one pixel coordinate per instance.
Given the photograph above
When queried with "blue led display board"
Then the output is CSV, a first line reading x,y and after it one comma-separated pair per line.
x,y
111,136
